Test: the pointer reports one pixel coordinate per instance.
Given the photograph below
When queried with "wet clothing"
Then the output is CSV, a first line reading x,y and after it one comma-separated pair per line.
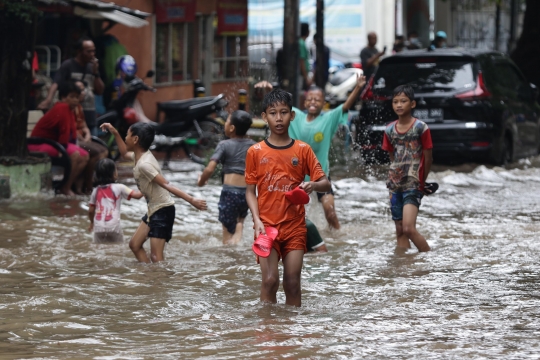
x,y
276,170
52,152
144,171
108,199
232,206
314,239
407,170
232,154
72,70
161,223
319,132
366,54
399,199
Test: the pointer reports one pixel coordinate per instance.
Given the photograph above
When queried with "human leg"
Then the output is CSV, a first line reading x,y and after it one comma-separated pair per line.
x,y
97,152
79,159
410,212
330,211
402,239
292,269
237,236
226,235
156,249
315,242
137,241
396,207
270,277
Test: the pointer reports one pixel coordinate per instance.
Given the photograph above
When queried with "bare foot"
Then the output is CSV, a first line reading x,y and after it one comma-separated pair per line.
x,y
67,192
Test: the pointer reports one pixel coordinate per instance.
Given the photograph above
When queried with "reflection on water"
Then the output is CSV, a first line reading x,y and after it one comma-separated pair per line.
x,y
474,295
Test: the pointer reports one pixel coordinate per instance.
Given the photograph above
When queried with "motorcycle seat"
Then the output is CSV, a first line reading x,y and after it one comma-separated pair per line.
x,y
179,105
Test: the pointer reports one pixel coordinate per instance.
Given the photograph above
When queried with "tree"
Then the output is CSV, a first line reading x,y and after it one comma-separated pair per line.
x,y
527,52
18,20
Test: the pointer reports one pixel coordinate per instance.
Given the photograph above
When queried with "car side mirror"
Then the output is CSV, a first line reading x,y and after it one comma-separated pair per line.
x,y
150,73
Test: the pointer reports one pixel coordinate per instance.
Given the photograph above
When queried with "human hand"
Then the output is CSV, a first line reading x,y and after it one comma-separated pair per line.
x,y
44,105
199,203
107,127
263,85
258,226
307,187
360,80
95,65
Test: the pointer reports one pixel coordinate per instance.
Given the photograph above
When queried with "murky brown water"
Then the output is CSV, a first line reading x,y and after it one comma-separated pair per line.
x,y
474,296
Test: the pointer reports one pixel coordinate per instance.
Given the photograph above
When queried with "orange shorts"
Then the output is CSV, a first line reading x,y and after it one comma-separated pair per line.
x,y
292,235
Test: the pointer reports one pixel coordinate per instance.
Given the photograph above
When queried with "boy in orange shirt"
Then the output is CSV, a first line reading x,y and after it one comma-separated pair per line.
x,y
273,167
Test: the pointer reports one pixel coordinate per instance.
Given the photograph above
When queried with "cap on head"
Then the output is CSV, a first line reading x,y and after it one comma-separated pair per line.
x,y
441,34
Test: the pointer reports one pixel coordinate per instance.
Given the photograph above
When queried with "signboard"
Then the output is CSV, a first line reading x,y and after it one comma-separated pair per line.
x,y
232,17
171,11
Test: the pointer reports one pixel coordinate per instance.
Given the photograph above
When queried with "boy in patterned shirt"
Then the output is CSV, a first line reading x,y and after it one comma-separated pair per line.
x,y
408,142
273,167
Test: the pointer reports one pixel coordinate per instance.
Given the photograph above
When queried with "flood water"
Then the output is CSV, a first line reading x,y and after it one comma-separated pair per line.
x,y
476,295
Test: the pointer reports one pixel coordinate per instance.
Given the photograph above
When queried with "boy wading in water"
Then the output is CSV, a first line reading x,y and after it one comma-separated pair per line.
x,y
273,167
157,224
408,142
232,154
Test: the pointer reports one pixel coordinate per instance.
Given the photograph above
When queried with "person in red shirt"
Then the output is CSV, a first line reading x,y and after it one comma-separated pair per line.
x,y
58,124
273,167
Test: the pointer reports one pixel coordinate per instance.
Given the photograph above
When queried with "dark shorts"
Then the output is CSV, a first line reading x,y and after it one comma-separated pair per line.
x,y
399,199
232,206
331,192
161,223
314,239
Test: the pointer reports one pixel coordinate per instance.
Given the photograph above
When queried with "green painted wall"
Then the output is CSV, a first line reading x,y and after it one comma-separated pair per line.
x,y
26,179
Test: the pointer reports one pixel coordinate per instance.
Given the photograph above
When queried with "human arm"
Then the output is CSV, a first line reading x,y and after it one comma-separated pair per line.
x,y
251,198
387,146
371,60
135,194
353,97
304,72
197,203
45,104
99,86
91,214
208,171
119,141
428,160
322,185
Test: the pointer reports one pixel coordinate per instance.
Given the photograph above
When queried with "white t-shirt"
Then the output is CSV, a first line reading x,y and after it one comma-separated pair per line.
x,y
107,199
145,170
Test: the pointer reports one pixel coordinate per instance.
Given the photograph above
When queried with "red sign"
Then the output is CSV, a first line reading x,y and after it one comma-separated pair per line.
x,y
171,11
232,17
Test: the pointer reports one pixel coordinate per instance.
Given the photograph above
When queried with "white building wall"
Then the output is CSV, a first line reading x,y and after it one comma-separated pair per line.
x,y
380,17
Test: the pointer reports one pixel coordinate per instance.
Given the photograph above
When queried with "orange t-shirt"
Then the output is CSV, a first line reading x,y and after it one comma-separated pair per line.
x,y
276,170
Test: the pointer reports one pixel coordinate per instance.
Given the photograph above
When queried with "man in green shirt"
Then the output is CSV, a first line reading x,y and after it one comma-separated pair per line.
x,y
304,81
318,129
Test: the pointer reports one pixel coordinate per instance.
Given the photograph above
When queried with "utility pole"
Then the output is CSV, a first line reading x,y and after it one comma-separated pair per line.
x,y
321,63
290,48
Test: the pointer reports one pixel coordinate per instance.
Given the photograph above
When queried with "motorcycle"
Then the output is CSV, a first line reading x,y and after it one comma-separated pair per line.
x,y
186,124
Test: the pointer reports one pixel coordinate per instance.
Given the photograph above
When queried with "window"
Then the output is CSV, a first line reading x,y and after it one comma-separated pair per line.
x,y
230,57
174,52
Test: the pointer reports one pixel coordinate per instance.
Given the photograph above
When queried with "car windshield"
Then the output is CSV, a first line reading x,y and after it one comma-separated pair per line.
x,y
436,74
340,76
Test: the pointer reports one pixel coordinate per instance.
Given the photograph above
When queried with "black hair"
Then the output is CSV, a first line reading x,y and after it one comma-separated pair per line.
x,y
145,132
304,29
406,90
277,96
79,44
242,122
104,172
316,88
67,87
412,33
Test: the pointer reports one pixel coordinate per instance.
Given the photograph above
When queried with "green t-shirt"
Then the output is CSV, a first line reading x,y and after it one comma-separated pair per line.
x,y
319,132
304,55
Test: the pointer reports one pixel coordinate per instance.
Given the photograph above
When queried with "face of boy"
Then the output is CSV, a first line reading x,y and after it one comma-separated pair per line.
x,y
402,105
314,102
229,127
131,140
72,100
278,116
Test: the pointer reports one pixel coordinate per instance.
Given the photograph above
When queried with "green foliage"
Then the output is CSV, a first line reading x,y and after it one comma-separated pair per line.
x,y
25,10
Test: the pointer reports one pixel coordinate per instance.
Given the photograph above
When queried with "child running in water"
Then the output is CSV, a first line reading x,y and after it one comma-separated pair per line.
x,y
273,167
232,154
105,202
158,222
408,142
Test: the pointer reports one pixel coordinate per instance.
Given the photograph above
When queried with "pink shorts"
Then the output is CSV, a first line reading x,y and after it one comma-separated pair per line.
x,y
52,152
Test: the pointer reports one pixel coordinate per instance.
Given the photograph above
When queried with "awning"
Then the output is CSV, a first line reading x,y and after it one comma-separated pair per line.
x,y
101,10
113,15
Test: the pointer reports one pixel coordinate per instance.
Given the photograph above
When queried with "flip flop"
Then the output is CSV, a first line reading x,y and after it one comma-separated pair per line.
x,y
297,196
263,244
431,188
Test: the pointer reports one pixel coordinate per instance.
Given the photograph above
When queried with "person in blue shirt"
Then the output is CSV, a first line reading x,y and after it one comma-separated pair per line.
x,y
317,129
